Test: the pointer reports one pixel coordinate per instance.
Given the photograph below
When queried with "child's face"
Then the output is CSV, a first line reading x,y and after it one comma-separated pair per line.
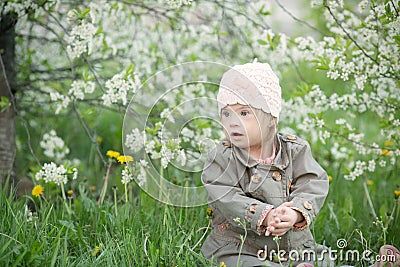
x,y
241,126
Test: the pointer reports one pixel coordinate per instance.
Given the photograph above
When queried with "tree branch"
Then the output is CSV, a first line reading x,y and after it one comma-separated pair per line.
x,y
349,36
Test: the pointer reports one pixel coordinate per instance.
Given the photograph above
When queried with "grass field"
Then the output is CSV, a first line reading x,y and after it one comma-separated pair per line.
x,y
144,232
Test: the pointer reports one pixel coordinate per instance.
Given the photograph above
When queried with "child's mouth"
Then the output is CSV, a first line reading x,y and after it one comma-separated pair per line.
x,y
235,135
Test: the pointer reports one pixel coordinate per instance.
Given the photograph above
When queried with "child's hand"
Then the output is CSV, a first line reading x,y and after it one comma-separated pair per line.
x,y
282,219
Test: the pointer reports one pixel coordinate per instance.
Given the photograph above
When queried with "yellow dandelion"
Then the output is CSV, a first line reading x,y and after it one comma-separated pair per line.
x,y
70,192
385,152
222,264
112,154
209,212
396,193
124,159
388,143
37,190
330,178
370,182
99,139
96,250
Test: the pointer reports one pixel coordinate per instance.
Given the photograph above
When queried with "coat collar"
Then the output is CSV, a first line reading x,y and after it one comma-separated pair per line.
x,y
280,161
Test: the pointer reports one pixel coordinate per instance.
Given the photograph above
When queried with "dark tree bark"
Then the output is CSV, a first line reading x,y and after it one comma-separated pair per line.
x,y
7,117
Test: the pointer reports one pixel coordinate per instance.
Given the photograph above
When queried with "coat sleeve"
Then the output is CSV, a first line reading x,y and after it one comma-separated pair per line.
x,y
225,195
309,186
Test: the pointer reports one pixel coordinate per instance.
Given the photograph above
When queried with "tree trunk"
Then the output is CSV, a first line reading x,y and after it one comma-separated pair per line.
x,y
7,117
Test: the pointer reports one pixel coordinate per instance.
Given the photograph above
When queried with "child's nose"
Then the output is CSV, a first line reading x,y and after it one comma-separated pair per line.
x,y
234,121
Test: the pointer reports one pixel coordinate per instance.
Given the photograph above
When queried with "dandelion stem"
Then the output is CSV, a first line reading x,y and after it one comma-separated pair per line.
x,y
369,199
126,192
115,201
65,199
391,215
204,234
104,188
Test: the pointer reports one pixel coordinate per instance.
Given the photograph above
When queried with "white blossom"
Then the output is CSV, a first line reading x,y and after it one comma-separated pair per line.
x,y
50,172
135,140
181,157
61,100
118,88
187,134
54,147
142,176
75,173
80,39
79,88
126,175
371,165
166,114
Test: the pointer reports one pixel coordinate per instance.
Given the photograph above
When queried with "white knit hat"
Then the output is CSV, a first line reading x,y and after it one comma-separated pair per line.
x,y
253,84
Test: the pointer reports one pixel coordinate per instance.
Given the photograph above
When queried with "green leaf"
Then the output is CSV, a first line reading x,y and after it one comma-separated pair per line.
x,y
264,12
321,67
4,103
83,13
262,42
312,115
129,70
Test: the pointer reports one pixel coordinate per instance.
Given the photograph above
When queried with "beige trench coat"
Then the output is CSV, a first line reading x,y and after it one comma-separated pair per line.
x,y
240,187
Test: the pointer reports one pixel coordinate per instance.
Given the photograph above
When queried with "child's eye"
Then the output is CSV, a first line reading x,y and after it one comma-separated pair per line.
x,y
244,113
226,114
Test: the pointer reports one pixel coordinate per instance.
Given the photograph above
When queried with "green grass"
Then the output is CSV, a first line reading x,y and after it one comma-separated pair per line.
x,y
144,232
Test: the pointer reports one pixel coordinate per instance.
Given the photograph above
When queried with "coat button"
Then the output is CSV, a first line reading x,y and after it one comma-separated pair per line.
x,y
307,205
291,137
277,176
227,143
255,178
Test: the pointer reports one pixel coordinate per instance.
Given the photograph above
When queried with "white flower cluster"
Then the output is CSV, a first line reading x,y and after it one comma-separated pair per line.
x,y
80,39
142,176
118,88
126,175
156,147
135,141
363,166
80,88
29,215
50,172
371,54
19,8
174,4
54,147
297,111
61,100
357,171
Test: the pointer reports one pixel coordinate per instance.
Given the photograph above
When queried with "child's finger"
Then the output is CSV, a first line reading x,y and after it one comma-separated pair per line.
x,y
285,218
277,211
283,225
287,204
279,232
